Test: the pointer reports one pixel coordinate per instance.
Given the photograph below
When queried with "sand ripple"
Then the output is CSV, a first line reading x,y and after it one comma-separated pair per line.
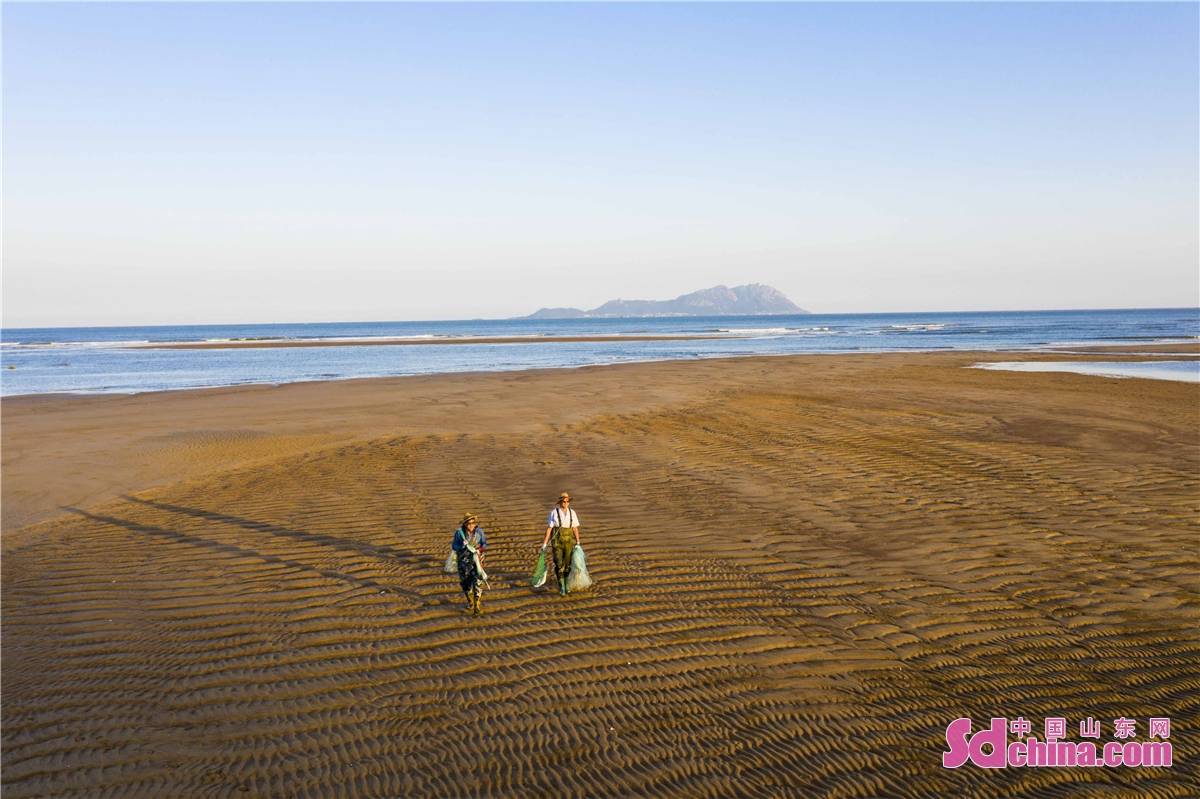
x,y
800,581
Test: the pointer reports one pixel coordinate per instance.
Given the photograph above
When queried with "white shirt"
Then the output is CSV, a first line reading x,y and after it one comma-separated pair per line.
x,y
568,517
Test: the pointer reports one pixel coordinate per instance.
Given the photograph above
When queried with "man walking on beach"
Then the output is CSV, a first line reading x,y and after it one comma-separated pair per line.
x,y
563,526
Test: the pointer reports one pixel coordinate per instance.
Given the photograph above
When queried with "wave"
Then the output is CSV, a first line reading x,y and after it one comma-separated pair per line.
x,y
59,345
918,327
295,339
769,331
239,338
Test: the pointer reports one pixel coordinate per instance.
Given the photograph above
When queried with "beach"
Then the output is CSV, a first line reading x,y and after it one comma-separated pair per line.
x,y
806,567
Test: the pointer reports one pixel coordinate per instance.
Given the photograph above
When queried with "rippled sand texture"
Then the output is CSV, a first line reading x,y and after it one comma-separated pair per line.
x,y
806,568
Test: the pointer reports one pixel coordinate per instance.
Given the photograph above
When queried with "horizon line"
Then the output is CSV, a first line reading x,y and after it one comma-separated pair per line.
x,y
573,319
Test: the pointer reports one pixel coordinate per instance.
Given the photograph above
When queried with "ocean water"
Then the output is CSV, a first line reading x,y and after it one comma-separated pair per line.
x,y
109,359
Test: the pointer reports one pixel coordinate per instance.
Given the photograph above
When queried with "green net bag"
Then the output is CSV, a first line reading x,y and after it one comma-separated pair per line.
x,y
578,579
539,571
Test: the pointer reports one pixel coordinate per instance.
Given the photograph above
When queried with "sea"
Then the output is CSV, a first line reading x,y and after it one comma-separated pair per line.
x,y
106,360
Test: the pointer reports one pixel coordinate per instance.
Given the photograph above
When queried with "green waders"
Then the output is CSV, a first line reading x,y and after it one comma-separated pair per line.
x,y
562,544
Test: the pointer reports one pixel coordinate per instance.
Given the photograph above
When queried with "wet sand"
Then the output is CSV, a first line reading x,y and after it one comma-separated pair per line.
x,y
806,567
1192,348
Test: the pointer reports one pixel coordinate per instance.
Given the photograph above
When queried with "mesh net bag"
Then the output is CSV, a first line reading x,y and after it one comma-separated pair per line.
x,y
451,566
578,579
539,571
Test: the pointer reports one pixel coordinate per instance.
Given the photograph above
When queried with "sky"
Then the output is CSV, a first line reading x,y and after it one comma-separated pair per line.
x,y
272,162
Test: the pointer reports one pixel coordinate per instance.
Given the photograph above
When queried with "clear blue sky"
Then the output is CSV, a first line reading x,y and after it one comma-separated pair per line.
x,y
295,162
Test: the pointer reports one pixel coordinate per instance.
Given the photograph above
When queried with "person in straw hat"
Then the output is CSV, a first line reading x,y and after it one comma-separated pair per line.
x,y
563,527
469,544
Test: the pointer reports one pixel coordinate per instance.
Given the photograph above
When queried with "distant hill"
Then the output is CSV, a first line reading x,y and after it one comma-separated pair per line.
x,y
754,299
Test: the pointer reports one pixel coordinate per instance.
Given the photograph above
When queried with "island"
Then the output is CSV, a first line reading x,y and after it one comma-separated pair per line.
x,y
754,299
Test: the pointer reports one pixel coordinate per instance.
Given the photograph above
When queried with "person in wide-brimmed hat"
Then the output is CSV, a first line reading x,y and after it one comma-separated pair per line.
x,y
563,526
469,544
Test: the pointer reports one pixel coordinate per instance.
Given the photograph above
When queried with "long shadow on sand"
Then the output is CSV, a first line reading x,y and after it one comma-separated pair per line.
x,y
233,549
406,557
336,542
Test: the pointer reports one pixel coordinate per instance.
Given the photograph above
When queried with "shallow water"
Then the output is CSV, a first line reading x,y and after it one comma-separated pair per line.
x,y
1186,371
107,360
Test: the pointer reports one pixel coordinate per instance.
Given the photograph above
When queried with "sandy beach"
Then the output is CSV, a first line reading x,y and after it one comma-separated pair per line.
x,y
1180,348
806,567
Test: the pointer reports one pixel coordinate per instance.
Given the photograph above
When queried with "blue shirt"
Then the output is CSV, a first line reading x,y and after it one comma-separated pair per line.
x,y
460,538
